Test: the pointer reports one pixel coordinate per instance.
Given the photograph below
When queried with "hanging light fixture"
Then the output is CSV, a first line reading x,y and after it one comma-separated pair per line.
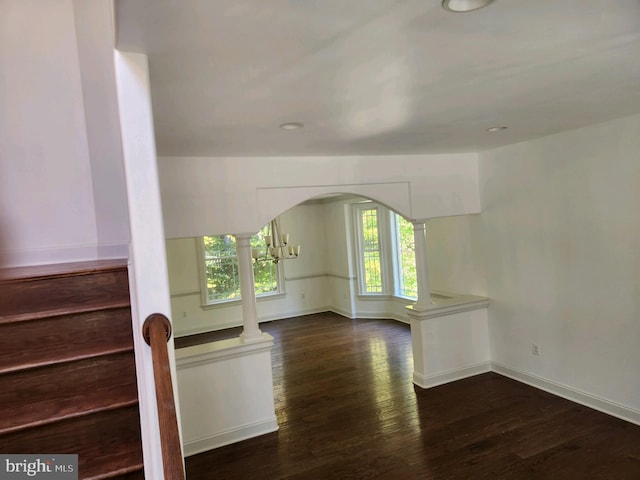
x,y
464,5
277,245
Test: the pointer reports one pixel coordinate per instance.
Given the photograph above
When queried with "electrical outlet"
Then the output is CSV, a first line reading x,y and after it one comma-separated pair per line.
x,y
535,349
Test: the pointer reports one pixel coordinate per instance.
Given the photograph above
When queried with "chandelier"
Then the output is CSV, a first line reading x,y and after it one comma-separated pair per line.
x,y
277,245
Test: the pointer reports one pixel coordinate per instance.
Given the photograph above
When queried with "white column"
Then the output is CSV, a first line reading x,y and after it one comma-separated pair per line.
x,y
148,280
251,331
422,272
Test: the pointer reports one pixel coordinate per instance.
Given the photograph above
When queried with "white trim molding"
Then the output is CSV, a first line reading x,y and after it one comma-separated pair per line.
x,y
185,293
449,304
54,254
220,351
583,398
293,278
441,378
341,276
340,311
261,319
229,436
113,250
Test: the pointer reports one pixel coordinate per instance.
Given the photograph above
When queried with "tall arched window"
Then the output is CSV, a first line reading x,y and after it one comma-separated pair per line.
x,y
386,252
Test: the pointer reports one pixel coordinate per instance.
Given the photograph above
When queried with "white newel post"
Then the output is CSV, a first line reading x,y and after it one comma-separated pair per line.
x,y
422,271
250,332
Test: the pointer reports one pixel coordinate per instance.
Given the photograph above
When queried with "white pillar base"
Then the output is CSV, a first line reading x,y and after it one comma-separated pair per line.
x,y
246,337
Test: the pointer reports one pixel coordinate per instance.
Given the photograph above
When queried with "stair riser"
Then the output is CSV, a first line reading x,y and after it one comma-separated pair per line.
x,y
52,339
112,437
53,392
139,475
35,295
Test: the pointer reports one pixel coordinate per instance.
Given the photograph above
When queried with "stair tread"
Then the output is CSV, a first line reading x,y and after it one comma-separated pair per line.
x,y
127,472
28,273
64,417
52,393
65,338
26,295
64,310
4,369
107,443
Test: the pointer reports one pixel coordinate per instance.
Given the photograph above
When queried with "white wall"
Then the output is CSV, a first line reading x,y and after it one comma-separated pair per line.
x,y
95,35
46,197
455,254
340,266
204,196
49,209
305,278
560,217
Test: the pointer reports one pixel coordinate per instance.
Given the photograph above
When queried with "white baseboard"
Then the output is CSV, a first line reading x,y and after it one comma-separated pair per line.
x,y
113,250
369,315
450,375
238,323
401,318
63,254
340,311
227,437
45,256
296,313
583,398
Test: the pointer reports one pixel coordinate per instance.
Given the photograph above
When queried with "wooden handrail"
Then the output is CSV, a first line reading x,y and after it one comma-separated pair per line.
x,y
157,332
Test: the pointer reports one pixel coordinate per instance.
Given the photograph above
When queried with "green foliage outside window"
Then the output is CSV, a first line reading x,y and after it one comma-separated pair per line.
x,y
371,251
387,247
407,258
221,266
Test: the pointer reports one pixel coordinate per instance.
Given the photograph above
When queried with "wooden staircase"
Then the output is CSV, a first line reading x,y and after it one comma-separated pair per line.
x,y
67,371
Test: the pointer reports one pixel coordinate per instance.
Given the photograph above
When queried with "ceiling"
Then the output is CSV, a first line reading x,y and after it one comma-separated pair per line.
x,y
379,76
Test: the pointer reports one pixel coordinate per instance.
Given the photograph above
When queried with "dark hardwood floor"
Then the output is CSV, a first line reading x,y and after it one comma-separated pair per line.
x,y
347,410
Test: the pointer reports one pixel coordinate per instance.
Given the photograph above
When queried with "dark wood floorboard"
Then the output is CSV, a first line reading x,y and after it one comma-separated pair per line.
x,y
347,410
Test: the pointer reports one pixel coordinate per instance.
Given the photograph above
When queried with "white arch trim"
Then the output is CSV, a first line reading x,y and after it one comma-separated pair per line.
x,y
273,201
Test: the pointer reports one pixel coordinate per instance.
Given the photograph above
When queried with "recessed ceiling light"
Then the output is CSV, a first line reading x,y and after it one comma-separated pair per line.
x,y
496,129
291,125
464,5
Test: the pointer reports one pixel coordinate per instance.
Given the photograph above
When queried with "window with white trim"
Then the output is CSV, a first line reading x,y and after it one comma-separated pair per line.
x,y
385,252
405,249
220,277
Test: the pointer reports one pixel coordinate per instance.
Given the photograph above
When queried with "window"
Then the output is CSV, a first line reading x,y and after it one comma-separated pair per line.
x,y
371,253
221,276
406,257
386,252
